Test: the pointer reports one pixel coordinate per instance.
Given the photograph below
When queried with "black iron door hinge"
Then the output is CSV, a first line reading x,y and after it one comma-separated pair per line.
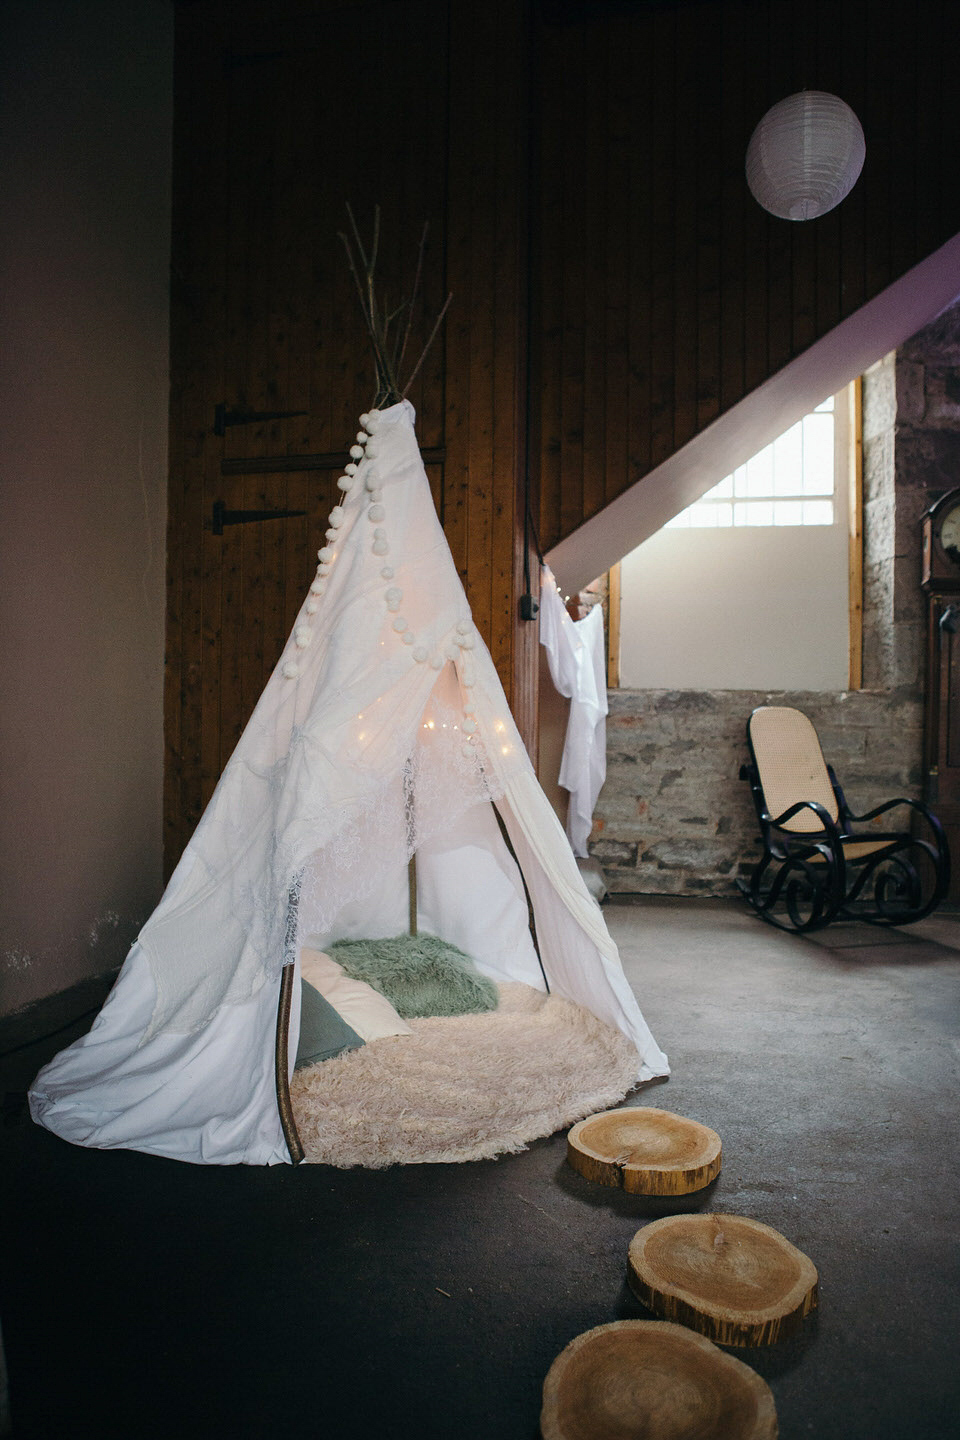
x,y
222,516
223,418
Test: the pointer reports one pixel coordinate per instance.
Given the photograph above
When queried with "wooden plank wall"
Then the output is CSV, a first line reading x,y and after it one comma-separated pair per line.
x,y
615,286
665,293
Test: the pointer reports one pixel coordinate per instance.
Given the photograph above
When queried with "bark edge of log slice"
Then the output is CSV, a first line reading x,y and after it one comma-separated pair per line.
x,y
653,1379
645,1151
733,1279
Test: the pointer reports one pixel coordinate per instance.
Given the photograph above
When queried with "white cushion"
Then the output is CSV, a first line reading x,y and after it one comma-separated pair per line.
x,y
363,1008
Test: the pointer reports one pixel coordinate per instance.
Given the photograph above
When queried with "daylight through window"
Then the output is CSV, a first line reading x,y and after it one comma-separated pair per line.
x,y
790,482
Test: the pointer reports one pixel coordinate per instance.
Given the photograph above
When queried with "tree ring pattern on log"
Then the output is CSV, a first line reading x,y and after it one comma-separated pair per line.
x,y
735,1280
645,1151
648,1378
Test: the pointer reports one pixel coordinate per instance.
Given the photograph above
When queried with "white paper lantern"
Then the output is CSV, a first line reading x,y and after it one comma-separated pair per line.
x,y
805,156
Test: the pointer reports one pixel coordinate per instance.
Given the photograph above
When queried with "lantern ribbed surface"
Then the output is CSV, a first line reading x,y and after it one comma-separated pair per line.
x,y
805,155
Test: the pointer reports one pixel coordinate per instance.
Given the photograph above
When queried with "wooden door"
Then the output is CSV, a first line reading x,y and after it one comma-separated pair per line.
x,y
278,123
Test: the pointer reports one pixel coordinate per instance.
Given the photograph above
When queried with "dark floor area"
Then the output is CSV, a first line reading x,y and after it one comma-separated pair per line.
x,y
140,1297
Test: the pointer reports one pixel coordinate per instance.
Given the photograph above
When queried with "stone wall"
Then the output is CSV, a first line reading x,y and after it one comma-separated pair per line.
x,y
673,818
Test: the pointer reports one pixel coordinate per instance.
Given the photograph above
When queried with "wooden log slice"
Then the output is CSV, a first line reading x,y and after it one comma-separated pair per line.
x,y
648,1380
647,1151
736,1281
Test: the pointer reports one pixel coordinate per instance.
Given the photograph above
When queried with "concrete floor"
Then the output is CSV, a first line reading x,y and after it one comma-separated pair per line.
x,y
140,1297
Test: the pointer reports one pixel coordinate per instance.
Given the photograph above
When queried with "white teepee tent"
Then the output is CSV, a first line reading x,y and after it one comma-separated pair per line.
x,y
383,732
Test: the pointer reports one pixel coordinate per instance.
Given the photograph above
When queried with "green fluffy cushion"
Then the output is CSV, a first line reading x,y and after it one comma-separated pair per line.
x,y
419,974
323,1033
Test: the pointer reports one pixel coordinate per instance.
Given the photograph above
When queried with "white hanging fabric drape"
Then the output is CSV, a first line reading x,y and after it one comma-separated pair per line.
x,y
577,660
383,730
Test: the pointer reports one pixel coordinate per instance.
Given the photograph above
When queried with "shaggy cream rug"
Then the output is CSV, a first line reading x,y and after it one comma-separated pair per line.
x,y
468,1087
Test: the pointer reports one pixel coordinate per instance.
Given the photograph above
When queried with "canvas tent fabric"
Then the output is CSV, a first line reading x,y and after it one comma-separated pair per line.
x,y
577,663
383,731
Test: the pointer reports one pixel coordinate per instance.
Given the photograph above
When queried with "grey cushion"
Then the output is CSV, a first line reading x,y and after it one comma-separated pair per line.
x,y
323,1033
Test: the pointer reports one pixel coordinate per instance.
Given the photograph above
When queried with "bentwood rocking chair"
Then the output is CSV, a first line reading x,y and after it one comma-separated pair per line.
x,y
820,862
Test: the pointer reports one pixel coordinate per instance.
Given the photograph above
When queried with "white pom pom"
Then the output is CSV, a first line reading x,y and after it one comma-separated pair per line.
x,y
373,450
336,516
376,495
318,586
372,479
330,535
291,670
464,627
387,572
345,482
325,555
465,642
400,624
469,707
351,469
470,725
302,635
420,654
437,662
380,547
466,681
312,606
408,637
380,533
365,421
376,512
362,437
468,751
323,569
356,452
451,652
394,596
371,421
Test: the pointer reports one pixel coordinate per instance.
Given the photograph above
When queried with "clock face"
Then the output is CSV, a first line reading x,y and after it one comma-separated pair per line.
x,y
950,535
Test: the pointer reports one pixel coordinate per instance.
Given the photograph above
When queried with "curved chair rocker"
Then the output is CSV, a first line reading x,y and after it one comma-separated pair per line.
x,y
816,865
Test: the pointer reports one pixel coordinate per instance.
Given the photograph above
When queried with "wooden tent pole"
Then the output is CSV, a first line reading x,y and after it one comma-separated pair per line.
x,y
284,1106
531,919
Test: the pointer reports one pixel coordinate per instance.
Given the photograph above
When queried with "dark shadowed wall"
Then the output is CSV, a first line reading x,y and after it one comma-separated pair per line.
x,y
84,175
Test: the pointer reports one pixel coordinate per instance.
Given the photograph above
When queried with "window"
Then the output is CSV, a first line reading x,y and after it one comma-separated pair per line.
x,y
756,586
790,482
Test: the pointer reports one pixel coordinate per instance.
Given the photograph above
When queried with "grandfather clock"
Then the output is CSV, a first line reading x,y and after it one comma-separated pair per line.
x,y
940,579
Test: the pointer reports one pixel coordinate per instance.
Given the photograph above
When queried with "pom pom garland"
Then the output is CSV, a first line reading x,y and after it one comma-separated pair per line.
x,y
362,437
387,572
356,452
311,607
291,670
380,547
318,586
325,555
323,569
407,637
373,478
420,654
464,627
345,482
336,516
469,724
376,512
371,421
302,636
394,596
365,421
351,469
373,449
400,624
